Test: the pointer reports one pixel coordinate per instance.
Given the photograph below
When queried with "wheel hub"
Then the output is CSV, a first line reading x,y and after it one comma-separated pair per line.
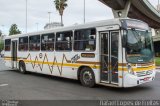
x,y
87,77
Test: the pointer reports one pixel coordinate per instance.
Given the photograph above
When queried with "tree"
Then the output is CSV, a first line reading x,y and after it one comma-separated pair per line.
x,y
60,6
0,33
14,30
1,42
1,45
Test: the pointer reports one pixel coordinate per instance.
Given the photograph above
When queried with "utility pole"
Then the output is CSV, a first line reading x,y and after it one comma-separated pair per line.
x,y
158,7
49,13
26,14
84,11
2,29
37,25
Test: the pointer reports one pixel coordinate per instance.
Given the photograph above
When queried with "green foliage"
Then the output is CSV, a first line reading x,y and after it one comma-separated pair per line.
x,y
1,44
157,61
60,6
0,33
14,30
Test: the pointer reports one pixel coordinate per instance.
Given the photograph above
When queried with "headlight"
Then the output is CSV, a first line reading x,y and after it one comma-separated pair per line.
x,y
130,70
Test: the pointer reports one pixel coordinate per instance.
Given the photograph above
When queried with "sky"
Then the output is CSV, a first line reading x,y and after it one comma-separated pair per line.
x,y
14,12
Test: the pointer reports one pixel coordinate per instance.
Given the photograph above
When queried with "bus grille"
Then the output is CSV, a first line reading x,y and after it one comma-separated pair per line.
x,y
144,73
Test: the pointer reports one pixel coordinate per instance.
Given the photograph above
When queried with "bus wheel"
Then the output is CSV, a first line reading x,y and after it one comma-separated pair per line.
x,y
87,77
22,67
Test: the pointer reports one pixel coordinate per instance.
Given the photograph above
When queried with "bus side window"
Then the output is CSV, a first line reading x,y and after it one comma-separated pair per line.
x,y
85,40
47,42
34,43
23,43
7,44
64,41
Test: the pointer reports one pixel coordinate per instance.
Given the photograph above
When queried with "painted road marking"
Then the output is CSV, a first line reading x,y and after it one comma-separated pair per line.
x,y
1,85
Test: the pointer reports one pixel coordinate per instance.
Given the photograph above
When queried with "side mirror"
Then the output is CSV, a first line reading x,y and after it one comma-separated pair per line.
x,y
124,38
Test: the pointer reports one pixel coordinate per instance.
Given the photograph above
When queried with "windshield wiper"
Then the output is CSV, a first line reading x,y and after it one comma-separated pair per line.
x,y
136,36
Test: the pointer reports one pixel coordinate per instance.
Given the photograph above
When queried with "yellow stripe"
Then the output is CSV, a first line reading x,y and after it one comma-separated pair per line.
x,y
92,66
137,69
64,64
7,59
143,69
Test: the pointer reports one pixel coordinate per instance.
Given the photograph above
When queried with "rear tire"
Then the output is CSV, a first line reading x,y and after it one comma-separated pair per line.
x,y
22,67
87,77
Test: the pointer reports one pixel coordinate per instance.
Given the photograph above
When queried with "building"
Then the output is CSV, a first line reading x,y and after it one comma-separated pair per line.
x,y
52,25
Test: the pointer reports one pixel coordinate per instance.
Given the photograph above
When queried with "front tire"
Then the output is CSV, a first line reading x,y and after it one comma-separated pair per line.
x,y
22,67
87,77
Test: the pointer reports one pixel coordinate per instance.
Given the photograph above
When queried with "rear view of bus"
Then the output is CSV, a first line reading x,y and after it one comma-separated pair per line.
x,y
127,56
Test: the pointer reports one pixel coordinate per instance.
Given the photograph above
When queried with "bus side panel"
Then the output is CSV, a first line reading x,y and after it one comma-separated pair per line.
x,y
30,59
70,62
7,59
48,63
22,55
64,66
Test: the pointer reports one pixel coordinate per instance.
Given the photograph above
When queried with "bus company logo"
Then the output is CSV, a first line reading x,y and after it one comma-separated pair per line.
x,y
40,55
75,58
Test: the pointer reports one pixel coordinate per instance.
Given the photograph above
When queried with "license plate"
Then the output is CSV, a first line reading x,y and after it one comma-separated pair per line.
x,y
145,79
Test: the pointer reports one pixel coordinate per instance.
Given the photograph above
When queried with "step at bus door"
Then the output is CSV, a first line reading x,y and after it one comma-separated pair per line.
x,y
109,56
14,54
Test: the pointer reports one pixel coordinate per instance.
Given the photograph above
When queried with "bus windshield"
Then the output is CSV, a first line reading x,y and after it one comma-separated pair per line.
x,y
139,46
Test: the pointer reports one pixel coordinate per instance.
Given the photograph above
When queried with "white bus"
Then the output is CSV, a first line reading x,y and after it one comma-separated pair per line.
x,y
116,52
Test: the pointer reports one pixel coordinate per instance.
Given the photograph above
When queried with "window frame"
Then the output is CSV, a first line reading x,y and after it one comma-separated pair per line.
x,y
27,44
39,43
44,34
7,45
85,40
65,41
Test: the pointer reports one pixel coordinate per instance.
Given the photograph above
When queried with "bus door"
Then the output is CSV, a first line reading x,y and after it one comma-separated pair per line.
x,y
14,54
109,56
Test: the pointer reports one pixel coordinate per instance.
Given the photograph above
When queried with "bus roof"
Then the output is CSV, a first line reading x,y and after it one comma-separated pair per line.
x,y
73,27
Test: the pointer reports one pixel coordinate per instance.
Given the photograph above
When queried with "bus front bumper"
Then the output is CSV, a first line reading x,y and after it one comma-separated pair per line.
x,y
132,80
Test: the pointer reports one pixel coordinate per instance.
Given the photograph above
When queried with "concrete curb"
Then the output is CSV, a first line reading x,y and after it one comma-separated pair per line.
x,y
158,69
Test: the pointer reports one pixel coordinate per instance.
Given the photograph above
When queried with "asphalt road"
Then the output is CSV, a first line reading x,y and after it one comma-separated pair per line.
x,y
17,86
